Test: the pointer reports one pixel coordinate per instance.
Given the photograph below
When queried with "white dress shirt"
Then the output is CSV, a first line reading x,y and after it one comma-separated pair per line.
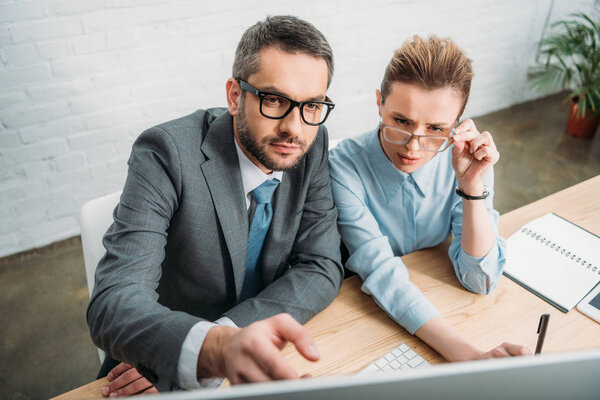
x,y
252,177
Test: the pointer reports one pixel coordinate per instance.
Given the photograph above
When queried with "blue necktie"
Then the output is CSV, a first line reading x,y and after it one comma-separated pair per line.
x,y
259,227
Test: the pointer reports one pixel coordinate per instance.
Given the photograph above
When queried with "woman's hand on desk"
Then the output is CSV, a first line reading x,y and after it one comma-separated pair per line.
x,y
126,381
453,346
506,350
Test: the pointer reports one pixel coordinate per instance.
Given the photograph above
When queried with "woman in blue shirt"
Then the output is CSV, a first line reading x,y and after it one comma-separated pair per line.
x,y
394,188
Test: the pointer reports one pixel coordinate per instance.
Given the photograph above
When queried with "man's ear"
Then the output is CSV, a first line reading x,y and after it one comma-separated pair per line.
x,y
379,100
234,96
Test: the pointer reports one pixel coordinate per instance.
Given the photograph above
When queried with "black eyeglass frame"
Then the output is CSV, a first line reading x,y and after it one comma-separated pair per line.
x,y
293,103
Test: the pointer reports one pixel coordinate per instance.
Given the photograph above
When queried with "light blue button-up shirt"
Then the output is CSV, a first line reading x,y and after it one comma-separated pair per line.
x,y
385,213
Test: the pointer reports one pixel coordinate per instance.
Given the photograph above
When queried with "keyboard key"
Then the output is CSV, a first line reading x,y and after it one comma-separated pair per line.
x,y
410,354
415,361
370,369
399,358
382,362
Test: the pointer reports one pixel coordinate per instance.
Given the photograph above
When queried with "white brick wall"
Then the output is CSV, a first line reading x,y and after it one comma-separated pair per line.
x,y
79,80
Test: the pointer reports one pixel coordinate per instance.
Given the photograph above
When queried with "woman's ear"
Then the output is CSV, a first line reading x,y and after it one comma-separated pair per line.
x,y
234,95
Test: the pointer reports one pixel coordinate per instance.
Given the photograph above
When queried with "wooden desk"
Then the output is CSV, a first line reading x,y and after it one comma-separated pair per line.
x,y
353,331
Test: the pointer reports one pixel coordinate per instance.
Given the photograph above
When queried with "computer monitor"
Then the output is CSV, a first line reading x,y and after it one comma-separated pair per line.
x,y
553,376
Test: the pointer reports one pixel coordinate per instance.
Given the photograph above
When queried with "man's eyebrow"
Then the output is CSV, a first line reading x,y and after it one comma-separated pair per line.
x,y
275,90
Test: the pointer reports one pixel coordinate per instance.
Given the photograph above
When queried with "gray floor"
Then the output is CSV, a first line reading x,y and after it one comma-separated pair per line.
x,y
45,348
536,157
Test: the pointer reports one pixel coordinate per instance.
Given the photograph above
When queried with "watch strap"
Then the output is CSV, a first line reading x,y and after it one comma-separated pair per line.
x,y
462,194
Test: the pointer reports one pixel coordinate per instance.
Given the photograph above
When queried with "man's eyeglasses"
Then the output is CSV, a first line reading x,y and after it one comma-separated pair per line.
x,y
431,143
278,106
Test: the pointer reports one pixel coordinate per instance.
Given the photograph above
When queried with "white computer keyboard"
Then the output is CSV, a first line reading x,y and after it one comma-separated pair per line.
x,y
399,358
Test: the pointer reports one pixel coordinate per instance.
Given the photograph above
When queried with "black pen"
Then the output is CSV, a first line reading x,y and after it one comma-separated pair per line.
x,y
542,332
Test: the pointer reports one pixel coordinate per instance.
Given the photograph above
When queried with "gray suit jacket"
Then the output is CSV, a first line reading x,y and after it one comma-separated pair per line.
x,y
176,251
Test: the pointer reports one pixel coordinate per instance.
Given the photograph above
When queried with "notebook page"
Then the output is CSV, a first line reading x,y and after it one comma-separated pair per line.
x,y
555,258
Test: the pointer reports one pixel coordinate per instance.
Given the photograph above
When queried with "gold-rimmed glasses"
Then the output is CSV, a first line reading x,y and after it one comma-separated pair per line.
x,y
432,143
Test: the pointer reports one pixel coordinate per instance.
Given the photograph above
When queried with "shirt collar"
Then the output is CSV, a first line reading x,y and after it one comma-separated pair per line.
x,y
252,176
424,176
390,178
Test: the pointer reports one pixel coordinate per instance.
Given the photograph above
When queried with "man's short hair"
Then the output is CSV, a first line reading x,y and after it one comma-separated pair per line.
x,y
431,64
290,34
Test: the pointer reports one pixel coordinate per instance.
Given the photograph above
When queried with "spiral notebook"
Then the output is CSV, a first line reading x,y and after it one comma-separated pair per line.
x,y
555,259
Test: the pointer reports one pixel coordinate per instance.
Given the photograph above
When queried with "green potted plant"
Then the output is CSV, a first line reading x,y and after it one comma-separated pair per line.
x,y
570,59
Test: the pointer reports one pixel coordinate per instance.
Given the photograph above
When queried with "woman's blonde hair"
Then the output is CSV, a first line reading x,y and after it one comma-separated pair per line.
x,y
431,64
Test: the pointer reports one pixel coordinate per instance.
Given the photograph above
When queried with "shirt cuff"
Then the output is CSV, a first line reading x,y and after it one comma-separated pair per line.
x,y
190,351
417,315
391,289
478,271
226,321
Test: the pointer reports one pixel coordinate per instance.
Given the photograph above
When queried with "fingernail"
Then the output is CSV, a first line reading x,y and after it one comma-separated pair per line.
x,y
312,351
110,376
113,395
105,391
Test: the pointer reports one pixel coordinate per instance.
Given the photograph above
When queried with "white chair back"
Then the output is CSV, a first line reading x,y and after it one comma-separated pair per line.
x,y
94,219
333,142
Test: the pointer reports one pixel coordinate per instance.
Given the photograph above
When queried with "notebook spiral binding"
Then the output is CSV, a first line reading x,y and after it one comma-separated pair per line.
x,y
578,260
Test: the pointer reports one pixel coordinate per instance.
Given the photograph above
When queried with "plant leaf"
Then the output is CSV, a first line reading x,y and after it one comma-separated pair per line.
x,y
570,59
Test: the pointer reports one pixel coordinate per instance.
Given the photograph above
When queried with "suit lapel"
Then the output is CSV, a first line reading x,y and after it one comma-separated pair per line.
x,y
285,205
222,173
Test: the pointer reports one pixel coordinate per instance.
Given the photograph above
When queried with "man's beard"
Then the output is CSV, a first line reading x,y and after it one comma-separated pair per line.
x,y
259,149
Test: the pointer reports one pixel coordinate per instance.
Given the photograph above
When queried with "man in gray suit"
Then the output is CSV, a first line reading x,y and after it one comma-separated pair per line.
x,y
226,221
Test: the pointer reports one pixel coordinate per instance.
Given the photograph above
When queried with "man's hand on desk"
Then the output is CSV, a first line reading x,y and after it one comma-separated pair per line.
x,y
126,381
252,354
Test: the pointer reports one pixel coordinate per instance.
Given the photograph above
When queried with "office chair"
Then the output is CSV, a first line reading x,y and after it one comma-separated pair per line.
x,y
94,219
333,142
